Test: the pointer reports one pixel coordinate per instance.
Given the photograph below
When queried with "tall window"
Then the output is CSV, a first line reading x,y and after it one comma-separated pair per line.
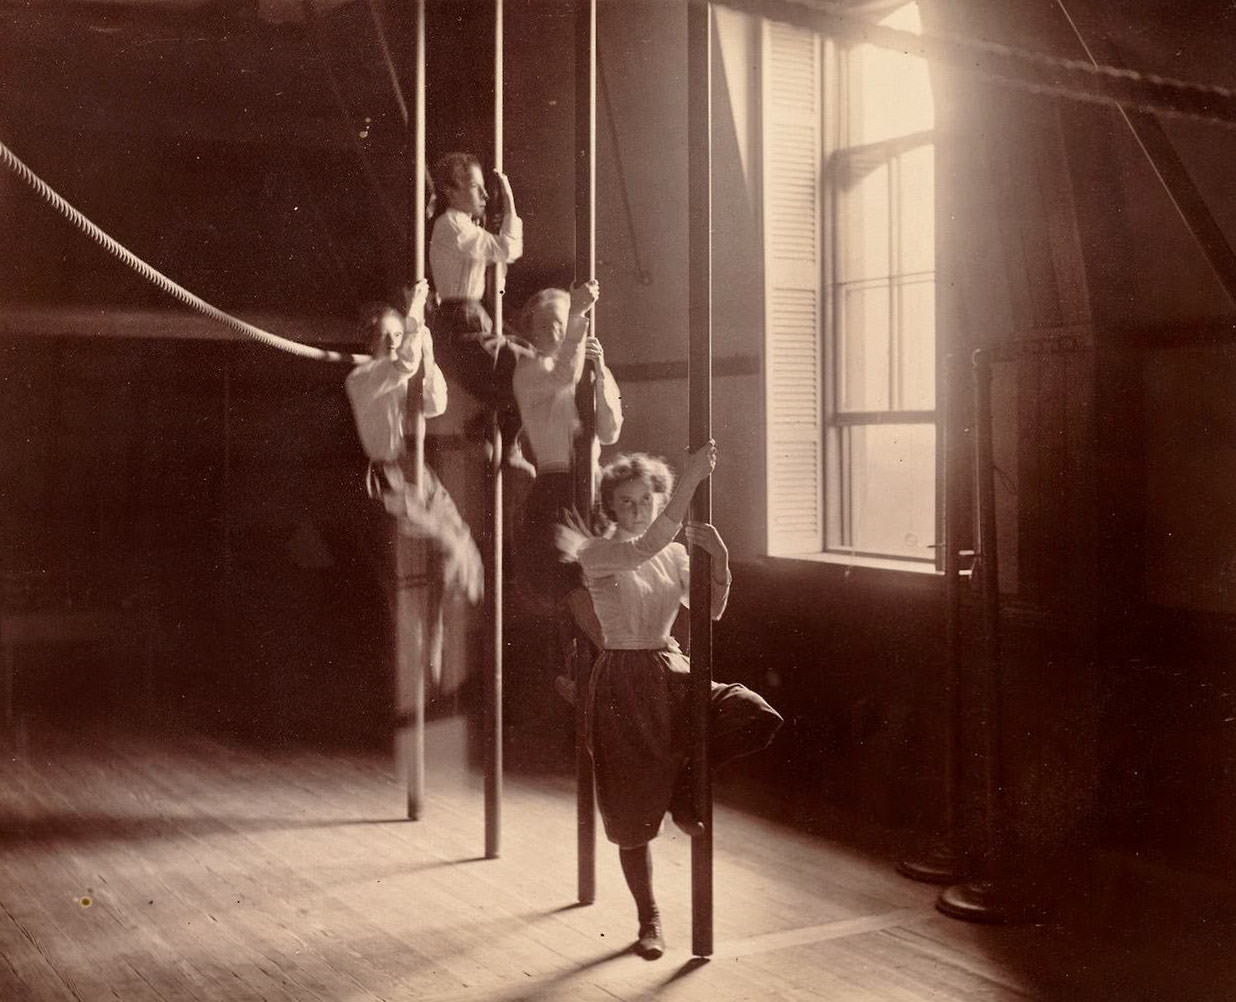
x,y
850,271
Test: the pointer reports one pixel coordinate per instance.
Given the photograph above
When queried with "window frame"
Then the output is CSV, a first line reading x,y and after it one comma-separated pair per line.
x,y
836,490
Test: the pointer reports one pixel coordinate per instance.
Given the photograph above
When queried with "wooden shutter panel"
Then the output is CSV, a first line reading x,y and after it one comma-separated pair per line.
x,y
791,68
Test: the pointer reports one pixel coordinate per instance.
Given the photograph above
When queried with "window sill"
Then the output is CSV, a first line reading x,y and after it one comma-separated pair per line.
x,y
854,560
848,570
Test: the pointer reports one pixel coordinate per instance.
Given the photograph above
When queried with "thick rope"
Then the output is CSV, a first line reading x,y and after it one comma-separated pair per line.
x,y
1041,73
156,277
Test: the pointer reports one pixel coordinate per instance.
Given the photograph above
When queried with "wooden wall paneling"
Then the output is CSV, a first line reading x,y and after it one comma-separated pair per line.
x,y
1081,508
1052,156
1007,393
1008,194
1045,490
1074,486
1053,488
1025,203
26,424
1029,478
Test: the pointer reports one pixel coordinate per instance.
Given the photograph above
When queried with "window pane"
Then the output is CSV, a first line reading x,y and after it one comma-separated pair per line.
x,y
917,346
862,235
890,91
917,209
863,358
891,481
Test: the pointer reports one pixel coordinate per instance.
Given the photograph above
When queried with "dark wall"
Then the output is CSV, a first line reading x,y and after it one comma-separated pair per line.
x,y
217,495
1068,258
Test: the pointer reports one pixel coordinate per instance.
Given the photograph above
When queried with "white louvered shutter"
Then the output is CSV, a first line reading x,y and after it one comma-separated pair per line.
x,y
792,269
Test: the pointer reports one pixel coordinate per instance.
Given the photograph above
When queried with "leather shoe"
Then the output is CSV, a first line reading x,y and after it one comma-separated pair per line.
x,y
650,945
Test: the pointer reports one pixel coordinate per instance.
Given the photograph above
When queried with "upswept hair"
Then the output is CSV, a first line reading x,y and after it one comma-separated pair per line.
x,y
633,466
536,301
369,318
448,172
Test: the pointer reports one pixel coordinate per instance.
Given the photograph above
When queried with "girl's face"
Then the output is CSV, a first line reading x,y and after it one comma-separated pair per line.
x,y
390,333
547,326
468,193
636,505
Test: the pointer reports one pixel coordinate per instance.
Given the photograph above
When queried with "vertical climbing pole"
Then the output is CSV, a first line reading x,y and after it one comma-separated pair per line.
x,y
699,388
493,700
585,405
426,612
992,897
942,861
417,630
416,200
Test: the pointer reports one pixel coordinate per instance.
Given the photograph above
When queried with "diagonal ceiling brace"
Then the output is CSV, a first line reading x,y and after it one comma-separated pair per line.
x,y
1170,170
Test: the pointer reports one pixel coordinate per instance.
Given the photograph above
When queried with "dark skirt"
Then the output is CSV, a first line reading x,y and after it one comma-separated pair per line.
x,y
543,577
482,360
636,725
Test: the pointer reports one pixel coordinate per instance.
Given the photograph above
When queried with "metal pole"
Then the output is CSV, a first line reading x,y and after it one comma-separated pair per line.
x,y
493,715
585,405
699,380
418,145
941,863
416,610
421,606
988,554
992,898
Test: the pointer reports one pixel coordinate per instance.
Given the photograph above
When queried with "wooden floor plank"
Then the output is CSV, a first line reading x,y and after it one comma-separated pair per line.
x,y
224,872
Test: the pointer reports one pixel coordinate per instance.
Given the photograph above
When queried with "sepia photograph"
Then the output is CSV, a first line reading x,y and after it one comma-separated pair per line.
x,y
614,500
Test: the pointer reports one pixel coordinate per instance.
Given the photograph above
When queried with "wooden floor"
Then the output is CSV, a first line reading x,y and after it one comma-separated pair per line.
x,y
184,867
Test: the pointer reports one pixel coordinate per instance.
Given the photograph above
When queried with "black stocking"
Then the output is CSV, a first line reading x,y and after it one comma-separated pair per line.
x,y
637,868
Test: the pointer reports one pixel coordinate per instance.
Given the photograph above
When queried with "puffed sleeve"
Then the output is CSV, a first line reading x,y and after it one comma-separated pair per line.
x,y
720,592
609,407
603,556
434,393
479,244
567,362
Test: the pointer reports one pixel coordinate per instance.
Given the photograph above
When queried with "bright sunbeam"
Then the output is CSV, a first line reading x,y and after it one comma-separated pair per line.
x,y
891,90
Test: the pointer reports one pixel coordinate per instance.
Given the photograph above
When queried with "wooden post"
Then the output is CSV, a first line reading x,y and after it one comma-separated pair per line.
x,y
699,380
493,702
585,405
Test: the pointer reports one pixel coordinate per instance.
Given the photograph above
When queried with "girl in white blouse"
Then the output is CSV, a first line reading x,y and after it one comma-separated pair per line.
x,y
401,347
636,716
475,354
556,323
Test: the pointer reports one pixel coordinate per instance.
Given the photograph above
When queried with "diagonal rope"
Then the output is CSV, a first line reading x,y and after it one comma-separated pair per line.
x,y
375,15
153,275
898,38
1038,72
642,274
345,114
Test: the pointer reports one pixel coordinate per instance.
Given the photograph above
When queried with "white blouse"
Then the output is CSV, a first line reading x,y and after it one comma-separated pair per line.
x,y
637,584
460,250
544,388
378,392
